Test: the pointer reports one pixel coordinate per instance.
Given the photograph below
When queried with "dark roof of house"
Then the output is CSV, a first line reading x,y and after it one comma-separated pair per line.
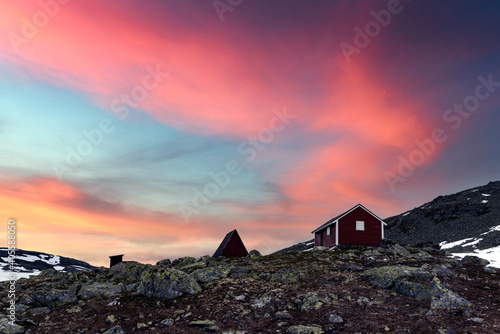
x,y
115,255
224,242
332,221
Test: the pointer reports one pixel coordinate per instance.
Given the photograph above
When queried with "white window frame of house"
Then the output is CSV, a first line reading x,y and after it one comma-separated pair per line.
x,y
360,225
328,230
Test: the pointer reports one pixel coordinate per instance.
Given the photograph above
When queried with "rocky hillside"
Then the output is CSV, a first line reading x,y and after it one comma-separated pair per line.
x,y
470,218
32,263
388,289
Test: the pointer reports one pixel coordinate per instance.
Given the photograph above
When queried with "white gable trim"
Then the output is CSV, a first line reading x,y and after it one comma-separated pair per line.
x,y
346,213
336,233
382,225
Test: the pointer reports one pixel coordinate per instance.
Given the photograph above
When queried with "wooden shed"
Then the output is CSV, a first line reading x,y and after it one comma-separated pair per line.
x,y
357,226
231,246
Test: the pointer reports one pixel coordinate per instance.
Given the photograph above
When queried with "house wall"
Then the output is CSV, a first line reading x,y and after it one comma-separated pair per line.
x,y
347,229
328,240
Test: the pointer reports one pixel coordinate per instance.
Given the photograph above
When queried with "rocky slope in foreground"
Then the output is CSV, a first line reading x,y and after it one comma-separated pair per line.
x,y
390,289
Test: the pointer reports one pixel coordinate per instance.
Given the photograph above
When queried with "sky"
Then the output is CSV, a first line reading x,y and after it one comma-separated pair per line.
x,y
153,128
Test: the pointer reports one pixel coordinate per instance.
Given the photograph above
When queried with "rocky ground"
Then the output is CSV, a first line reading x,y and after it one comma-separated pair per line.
x,y
390,289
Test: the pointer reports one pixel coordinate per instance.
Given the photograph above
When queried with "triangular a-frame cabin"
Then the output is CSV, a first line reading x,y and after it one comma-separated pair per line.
x,y
231,246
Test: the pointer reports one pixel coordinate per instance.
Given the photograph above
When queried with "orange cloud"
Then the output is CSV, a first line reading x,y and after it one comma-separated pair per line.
x,y
50,217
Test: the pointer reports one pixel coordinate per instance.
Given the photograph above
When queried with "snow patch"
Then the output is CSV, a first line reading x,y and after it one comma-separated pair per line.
x,y
406,214
494,228
473,191
486,195
472,243
446,244
490,254
6,275
484,201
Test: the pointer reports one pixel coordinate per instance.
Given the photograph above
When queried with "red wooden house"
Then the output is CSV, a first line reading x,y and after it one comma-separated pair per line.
x,y
357,226
231,246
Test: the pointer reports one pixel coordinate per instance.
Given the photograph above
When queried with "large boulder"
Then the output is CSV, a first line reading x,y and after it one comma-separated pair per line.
x,y
210,274
53,298
100,290
471,259
412,289
254,254
385,277
400,250
169,283
6,328
165,263
183,261
128,271
442,297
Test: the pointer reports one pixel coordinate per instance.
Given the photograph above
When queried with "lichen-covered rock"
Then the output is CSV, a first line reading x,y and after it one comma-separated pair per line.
x,y
285,275
254,254
205,325
301,329
167,283
282,315
111,319
412,289
422,255
491,270
53,274
128,271
100,290
183,261
445,331
40,310
210,274
471,259
385,277
260,302
190,268
400,250
371,252
166,322
115,330
6,328
312,301
335,319
441,270
353,267
53,298
74,309
239,272
442,297
165,263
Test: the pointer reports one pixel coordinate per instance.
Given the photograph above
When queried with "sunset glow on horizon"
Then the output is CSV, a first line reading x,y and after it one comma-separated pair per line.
x,y
152,129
